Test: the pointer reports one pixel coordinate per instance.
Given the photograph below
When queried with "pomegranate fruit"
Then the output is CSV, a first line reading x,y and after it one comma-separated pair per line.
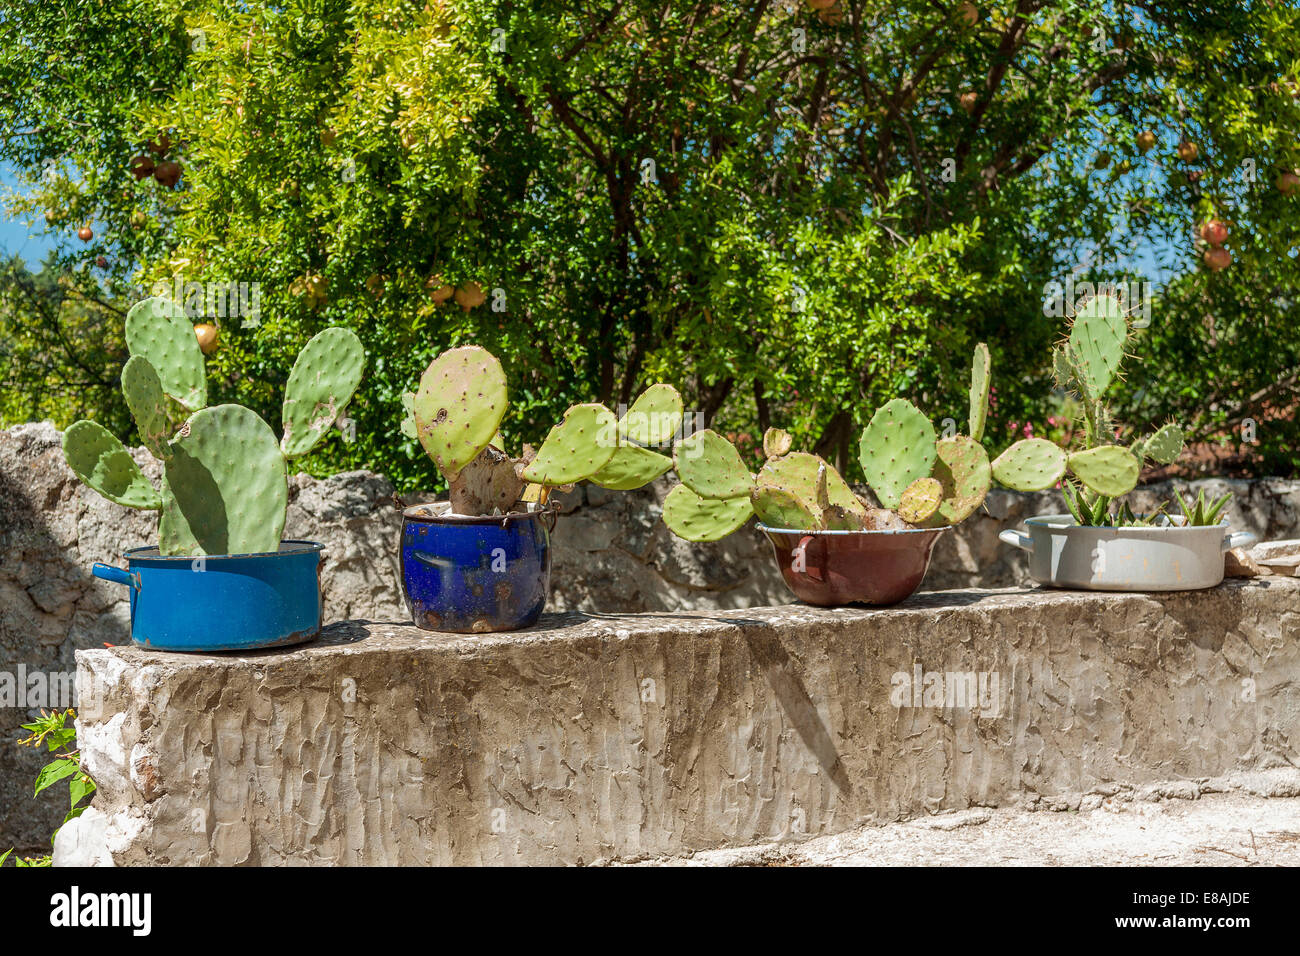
x,y
1218,258
1214,232
207,334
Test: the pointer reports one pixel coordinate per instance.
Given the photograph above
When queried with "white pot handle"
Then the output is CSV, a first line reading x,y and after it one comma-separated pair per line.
x,y
1016,540
1238,539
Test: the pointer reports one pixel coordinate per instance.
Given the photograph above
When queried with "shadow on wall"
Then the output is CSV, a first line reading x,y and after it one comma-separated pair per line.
x,y
51,532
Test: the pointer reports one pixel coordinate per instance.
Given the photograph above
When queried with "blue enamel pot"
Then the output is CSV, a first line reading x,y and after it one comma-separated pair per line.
x,y
475,574
222,602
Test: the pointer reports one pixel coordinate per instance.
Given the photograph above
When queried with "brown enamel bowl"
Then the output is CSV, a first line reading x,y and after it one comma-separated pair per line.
x,y
831,568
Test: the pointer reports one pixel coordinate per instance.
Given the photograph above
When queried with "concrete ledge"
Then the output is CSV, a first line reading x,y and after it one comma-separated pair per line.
x,y
600,737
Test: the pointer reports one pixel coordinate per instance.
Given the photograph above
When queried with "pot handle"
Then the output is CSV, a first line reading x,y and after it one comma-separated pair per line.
x,y
117,575
1239,539
1017,540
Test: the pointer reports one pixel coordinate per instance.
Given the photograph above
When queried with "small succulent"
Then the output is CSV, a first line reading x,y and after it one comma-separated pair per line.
x,y
1086,364
918,478
1203,513
224,487
456,414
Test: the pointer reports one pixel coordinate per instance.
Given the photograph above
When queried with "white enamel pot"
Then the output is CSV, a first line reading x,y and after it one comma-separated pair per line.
x,y
1163,558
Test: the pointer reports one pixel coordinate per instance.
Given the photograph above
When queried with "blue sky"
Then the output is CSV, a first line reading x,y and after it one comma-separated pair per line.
x,y
15,237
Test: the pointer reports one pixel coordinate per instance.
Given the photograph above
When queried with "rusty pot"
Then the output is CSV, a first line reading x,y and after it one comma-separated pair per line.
x,y
832,568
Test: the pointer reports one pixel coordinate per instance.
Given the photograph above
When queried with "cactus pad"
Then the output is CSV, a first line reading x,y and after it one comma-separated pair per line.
x,y
321,384
1097,337
225,489
103,463
797,473
407,426
459,405
581,445
897,447
1109,470
776,442
631,467
1033,464
964,473
710,466
693,518
779,508
920,500
980,380
654,417
836,518
158,329
1164,446
148,403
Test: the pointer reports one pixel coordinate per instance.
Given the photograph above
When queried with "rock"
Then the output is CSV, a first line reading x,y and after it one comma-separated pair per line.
x,y
1237,563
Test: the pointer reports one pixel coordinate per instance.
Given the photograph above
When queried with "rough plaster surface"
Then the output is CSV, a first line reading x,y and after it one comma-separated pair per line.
x,y
1230,824
607,737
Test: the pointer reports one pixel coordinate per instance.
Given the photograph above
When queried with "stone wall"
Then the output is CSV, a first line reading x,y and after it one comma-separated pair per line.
x,y
611,554
606,736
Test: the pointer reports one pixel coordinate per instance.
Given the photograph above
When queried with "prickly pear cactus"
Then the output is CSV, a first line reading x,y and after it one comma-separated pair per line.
x,y
459,406
897,447
964,474
798,473
920,500
324,377
711,467
1164,446
654,417
980,381
693,518
1033,464
148,404
781,508
577,448
776,442
1109,470
103,463
225,487
1096,343
631,467
159,330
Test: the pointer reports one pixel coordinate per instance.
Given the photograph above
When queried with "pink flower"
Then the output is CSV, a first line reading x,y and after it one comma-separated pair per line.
x,y
1029,430
1013,426
1051,420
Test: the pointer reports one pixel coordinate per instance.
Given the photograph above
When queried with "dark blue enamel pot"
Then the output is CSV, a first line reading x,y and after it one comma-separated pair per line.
x,y
475,574
222,602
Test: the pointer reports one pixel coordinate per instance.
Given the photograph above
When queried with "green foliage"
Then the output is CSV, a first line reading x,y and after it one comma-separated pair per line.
x,y
52,731
663,191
